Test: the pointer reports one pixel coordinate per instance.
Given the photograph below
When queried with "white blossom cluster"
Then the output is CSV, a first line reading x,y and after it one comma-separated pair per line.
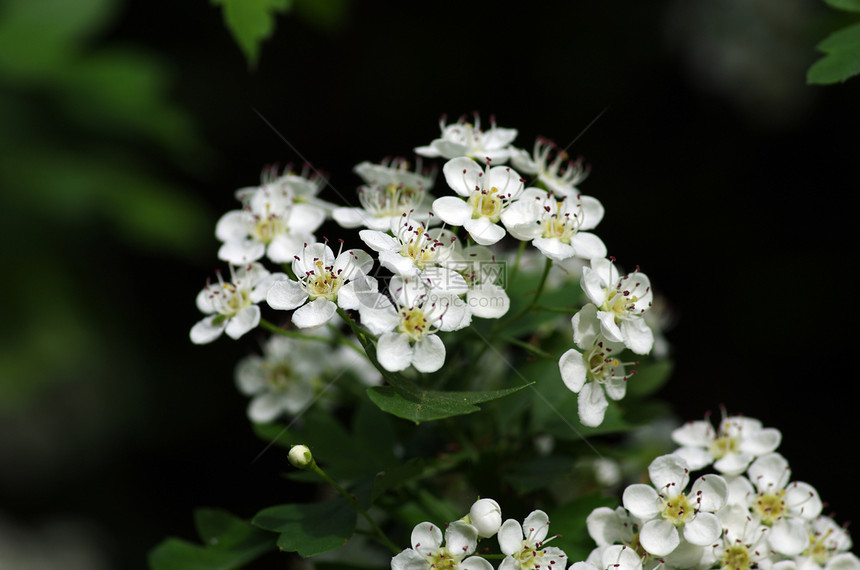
x,y
441,254
523,545
750,515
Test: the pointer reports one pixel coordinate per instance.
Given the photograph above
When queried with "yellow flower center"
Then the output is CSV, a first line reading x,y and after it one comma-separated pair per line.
x,y
279,375
736,558
486,204
265,229
678,509
441,560
723,445
770,506
413,323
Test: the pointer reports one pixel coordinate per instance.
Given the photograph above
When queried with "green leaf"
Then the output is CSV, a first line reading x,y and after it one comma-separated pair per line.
x,y
394,476
570,522
852,5
309,529
229,543
842,60
650,377
418,405
251,22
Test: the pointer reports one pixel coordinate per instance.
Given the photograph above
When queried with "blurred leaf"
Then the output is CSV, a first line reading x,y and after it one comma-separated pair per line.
x,y
230,543
251,22
325,14
650,376
37,38
569,521
852,5
418,405
842,60
539,473
394,476
309,529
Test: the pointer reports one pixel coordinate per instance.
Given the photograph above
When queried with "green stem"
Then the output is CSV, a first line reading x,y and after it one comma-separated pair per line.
x,y
537,294
516,268
380,536
292,334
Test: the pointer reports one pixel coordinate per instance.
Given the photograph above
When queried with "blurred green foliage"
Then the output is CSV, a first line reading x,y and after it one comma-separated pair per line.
x,y
841,48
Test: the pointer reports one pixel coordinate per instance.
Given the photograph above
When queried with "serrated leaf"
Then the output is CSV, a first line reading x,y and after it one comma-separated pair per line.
x,y
852,5
229,543
251,22
309,529
420,405
842,60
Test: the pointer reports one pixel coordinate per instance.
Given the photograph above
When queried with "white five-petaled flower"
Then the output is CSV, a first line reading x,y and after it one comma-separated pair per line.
x,y
232,306
829,546
731,448
326,281
273,222
523,545
416,251
560,175
483,194
427,551
391,190
781,505
556,226
594,370
621,301
408,327
743,544
666,511
465,139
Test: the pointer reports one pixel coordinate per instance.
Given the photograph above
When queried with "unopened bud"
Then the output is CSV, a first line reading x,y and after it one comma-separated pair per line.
x,y
300,456
486,516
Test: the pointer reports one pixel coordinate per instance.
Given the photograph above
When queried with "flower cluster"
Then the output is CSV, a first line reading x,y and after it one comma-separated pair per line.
x,y
753,515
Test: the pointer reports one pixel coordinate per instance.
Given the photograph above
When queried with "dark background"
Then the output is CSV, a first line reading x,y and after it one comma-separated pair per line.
x,y
725,177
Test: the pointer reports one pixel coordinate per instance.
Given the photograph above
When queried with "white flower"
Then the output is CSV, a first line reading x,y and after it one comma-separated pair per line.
x,y
485,298
416,251
561,175
391,191
738,441
829,546
232,306
593,371
607,526
408,327
743,544
483,196
782,505
273,221
322,279
556,227
621,302
464,139
667,511
428,553
523,545
486,516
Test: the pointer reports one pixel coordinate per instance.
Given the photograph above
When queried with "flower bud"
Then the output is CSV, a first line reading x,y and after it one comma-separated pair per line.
x,y
486,516
300,456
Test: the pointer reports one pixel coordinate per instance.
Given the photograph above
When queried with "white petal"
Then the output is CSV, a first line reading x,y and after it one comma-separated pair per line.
x,y
377,313
463,175
205,331
350,217
426,538
286,295
641,500
761,442
592,404
243,321
305,218
238,252
732,463
592,213
409,560
605,527
659,537
554,249
510,537
703,530
608,328
586,327
461,539
483,231
488,301
475,563
398,264
588,246
573,370
669,473
379,241
250,375
428,354
711,492
618,557
265,407
394,351
696,434
452,210
233,226
536,527
285,247
788,536
316,313
769,472
638,336
802,499
696,457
